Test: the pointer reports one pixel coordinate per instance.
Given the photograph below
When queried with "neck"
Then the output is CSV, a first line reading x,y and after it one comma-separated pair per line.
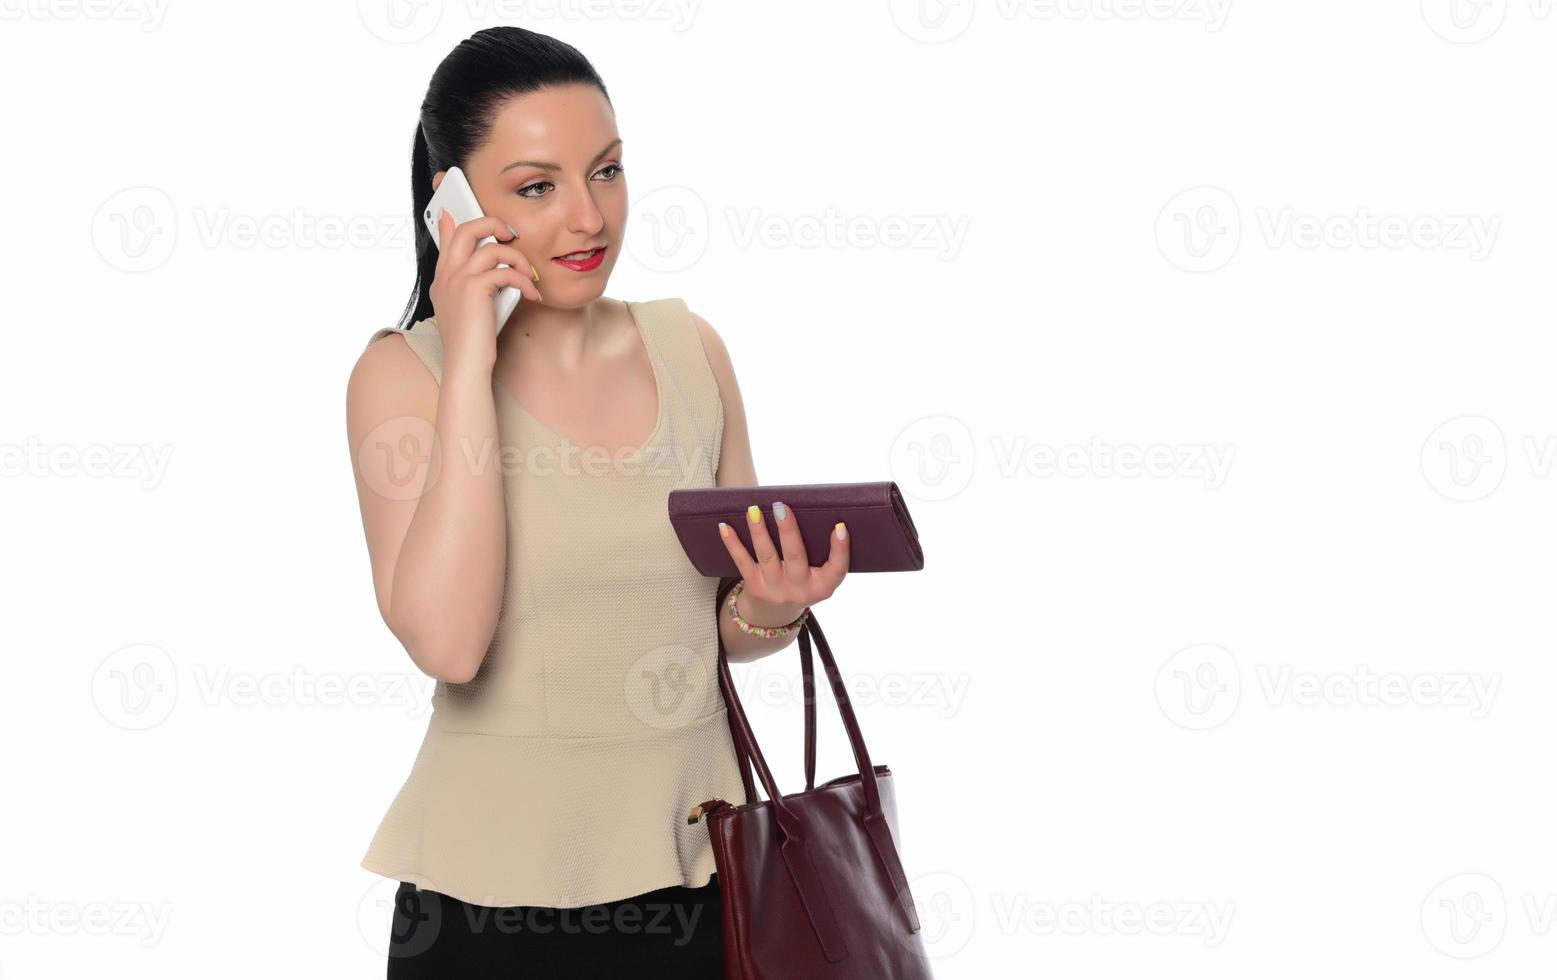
x,y
563,336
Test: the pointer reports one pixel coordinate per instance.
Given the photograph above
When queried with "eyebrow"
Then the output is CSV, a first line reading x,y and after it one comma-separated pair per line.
x,y
552,166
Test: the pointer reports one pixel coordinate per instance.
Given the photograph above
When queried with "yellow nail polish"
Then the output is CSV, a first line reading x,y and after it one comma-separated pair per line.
x,y
754,514
840,530
535,275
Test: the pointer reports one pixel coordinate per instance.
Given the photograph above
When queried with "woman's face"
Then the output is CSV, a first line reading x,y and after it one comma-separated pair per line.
x,y
552,169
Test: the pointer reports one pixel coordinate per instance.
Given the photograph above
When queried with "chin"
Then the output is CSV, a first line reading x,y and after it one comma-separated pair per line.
x,y
573,300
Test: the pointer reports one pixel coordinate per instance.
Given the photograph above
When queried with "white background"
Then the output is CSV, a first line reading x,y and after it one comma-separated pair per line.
x,y
1279,708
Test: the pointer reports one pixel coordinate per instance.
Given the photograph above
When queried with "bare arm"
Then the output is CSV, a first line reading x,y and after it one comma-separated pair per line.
x,y
431,494
736,468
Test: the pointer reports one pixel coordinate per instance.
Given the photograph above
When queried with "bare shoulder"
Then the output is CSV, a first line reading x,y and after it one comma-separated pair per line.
x,y
388,378
734,461
383,358
718,355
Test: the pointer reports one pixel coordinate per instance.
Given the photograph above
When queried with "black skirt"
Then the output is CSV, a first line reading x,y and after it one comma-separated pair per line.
x,y
671,932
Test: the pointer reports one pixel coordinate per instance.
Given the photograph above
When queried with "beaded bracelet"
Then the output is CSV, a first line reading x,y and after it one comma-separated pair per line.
x,y
772,632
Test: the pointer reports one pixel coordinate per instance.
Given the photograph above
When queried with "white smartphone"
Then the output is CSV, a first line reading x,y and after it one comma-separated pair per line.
x,y
455,196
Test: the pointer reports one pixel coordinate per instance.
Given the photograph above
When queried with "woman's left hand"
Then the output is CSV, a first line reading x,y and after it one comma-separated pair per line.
x,y
778,587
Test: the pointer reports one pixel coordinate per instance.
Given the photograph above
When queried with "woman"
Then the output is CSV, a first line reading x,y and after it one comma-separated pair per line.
x,y
513,489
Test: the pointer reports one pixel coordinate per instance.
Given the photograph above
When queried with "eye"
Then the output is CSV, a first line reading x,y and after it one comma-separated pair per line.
x,y
608,173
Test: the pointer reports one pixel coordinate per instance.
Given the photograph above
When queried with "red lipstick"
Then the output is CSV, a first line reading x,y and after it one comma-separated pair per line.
x,y
592,261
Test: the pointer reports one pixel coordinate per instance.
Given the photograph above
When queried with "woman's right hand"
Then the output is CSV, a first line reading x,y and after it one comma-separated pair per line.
x,y
467,278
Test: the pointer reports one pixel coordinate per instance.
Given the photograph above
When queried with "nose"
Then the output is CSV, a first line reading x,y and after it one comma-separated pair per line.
x,y
583,217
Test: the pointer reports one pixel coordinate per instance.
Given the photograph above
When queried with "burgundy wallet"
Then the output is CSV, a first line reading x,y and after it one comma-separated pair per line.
x,y
881,534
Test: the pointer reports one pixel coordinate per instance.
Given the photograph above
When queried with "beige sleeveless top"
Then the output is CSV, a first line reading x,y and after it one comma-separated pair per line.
x,y
562,773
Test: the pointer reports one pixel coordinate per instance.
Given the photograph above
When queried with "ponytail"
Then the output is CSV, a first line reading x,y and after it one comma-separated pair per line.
x,y
420,305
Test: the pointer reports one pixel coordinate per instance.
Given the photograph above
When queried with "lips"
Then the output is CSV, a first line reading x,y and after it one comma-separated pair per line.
x,y
581,261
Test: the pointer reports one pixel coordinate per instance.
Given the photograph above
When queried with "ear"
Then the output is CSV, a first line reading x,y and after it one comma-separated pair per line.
x,y
438,179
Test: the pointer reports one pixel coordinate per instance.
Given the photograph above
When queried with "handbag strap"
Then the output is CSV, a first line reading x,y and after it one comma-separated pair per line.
x,y
808,682
808,686
793,849
789,824
875,821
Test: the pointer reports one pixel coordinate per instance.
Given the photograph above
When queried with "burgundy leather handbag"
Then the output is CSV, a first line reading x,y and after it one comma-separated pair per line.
x,y
811,883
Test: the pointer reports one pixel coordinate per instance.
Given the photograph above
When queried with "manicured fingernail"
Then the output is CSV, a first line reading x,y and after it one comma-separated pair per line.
x,y
511,230
779,511
535,275
724,529
754,514
840,530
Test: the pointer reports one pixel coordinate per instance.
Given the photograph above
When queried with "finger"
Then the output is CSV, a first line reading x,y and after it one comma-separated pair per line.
x,y
490,254
737,550
832,570
797,564
495,279
462,243
762,546
445,233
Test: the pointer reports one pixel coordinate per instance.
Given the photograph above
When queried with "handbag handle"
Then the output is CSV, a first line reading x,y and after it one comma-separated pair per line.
x,y
808,684
790,826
